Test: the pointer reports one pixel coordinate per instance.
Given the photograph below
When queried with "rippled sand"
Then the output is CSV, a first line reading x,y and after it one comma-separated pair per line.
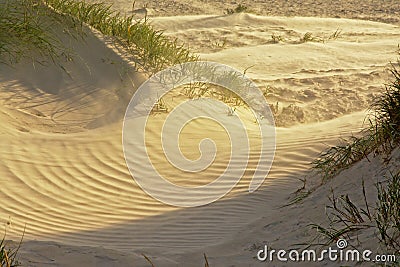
x,y
63,173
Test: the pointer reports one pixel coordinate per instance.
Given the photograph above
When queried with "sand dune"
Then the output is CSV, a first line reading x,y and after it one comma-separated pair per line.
x,y
385,11
63,173
310,81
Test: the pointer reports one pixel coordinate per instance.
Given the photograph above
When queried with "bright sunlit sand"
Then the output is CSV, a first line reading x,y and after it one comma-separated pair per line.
x,y
63,173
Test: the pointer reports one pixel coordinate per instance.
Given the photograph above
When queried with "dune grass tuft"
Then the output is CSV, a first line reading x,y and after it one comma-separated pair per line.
x,y
310,37
275,38
29,27
155,50
307,37
8,256
387,218
381,136
346,219
240,8
26,30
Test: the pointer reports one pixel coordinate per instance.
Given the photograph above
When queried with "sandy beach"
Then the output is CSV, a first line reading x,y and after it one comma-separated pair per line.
x,y
63,174
383,11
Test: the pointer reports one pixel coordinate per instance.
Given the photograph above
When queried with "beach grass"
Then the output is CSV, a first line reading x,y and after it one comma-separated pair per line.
x,y
27,29
387,217
8,256
240,8
380,137
151,46
347,219
310,37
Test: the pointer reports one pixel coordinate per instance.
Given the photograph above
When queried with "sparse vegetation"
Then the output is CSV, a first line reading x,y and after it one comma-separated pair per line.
x,y
198,90
382,135
8,256
230,79
220,44
310,37
160,106
206,264
335,35
154,49
344,217
148,260
387,217
27,29
277,38
238,9
206,261
30,25
307,37
347,219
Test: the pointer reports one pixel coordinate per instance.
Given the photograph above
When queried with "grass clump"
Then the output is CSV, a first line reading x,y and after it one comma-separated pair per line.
x,y
341,156
388,212
8,256
346,218
310,37
32,27
215,90
381,136
154,49
27,30
238,9
277,38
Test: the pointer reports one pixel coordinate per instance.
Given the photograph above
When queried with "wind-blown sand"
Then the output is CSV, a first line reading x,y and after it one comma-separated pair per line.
x,y
63,173
384,11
